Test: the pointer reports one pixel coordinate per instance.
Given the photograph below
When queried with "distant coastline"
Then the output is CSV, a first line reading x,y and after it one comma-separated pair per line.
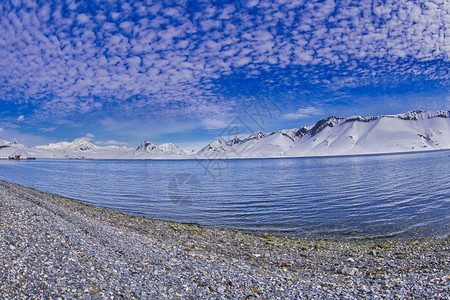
x,y
189,158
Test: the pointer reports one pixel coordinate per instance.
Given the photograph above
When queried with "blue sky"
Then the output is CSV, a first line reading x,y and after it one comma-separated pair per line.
x,y
120,72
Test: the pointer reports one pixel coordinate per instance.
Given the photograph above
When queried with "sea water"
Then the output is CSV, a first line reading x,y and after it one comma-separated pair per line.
x,y
358,196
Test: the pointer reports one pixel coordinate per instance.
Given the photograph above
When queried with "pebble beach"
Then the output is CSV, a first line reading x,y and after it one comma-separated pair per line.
x,y
53,247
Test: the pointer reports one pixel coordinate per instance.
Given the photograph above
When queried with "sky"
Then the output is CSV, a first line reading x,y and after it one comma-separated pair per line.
x,y
121,72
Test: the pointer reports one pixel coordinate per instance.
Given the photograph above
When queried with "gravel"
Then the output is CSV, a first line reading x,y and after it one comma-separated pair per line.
x,y
54,247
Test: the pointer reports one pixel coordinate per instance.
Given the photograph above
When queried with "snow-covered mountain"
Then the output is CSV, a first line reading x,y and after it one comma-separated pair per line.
x,y
167,150
78,144
79,149
83,149
412,131
14,150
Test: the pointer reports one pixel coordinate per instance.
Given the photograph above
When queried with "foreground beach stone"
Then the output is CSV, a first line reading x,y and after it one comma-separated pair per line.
x,y
54,247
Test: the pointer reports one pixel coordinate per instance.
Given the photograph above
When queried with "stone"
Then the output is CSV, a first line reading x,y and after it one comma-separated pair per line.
x,y
348,271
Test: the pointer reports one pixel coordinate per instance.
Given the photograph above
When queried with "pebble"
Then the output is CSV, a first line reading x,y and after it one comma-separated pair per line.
x,y
348,271
53,247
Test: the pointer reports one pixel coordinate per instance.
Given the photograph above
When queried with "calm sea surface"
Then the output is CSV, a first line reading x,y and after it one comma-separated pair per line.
x,y
362,196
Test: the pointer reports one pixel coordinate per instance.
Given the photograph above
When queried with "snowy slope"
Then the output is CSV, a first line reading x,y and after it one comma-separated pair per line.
x,y
163,151
78,144
10,150
78,148
412,131
83,149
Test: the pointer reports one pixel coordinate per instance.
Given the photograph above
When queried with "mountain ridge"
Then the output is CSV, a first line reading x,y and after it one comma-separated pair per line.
x,y
317,140
411,131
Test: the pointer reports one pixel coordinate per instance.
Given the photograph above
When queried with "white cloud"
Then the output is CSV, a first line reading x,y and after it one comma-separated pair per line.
x,y
83,18
214,123
303,113
114,143
49,129
11,134
172,56
87,137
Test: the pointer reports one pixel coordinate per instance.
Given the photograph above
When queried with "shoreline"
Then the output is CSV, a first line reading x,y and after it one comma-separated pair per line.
x,y
258,233
51,246
194,157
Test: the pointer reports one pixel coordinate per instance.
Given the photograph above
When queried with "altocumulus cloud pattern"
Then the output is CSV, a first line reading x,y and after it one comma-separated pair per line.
x,y
77,56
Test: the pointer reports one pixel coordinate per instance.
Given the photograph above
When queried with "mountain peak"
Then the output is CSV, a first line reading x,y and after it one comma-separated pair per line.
x,y
258,134
171,148
422,115
324,123
167,148
411,131
234,141
215,146
82,144
77,144
147,147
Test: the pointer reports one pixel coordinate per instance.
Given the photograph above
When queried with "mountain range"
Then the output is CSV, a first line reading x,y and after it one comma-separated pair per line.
x,y
411,131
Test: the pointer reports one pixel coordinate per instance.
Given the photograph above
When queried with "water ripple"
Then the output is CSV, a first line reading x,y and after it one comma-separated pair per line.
x,y
365,196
